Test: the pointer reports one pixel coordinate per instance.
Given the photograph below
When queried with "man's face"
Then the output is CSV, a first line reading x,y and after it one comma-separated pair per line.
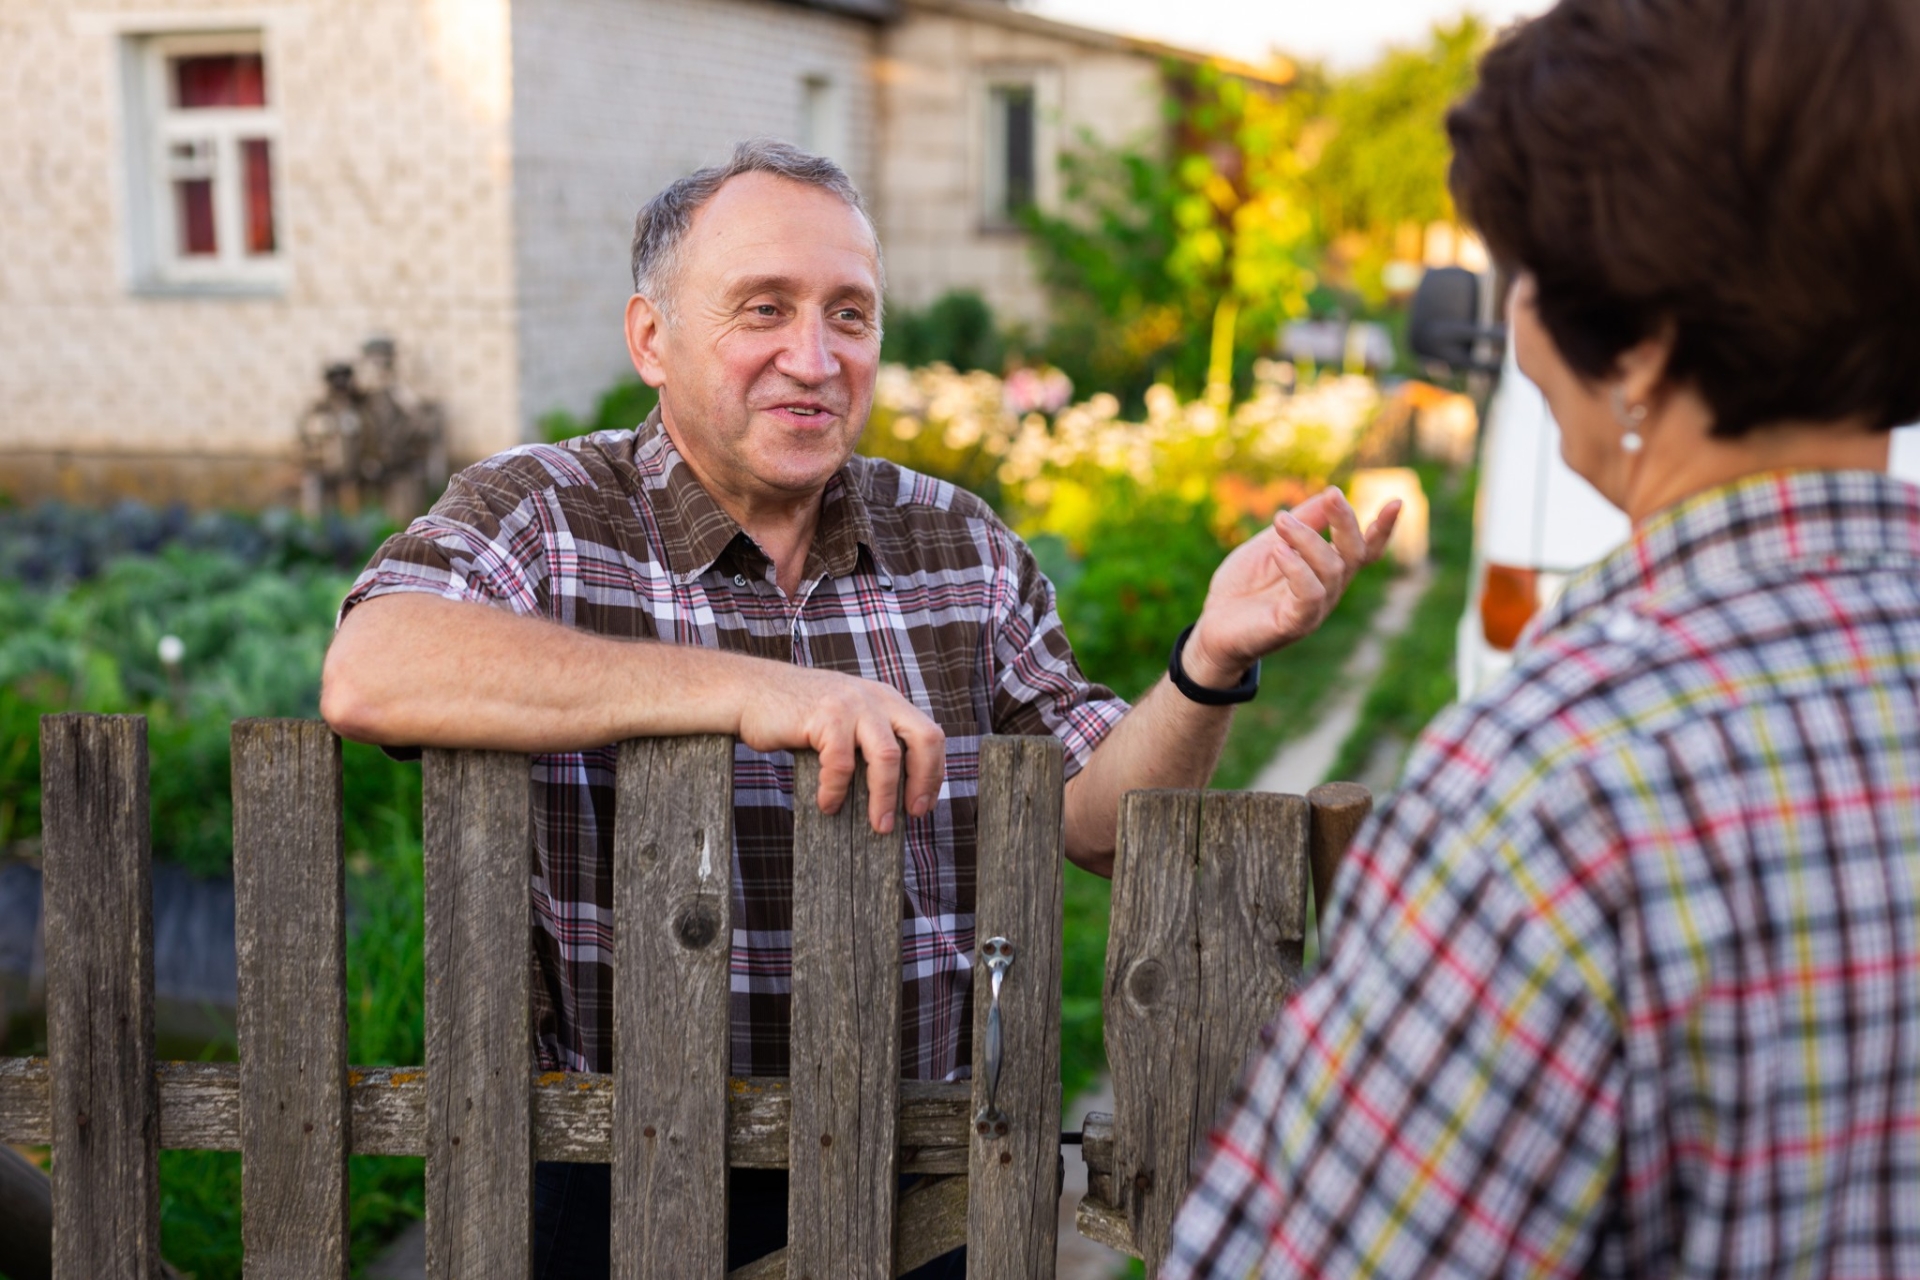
x,y
766,370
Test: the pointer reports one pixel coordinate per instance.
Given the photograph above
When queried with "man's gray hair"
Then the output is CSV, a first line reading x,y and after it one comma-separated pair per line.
x,y
660,230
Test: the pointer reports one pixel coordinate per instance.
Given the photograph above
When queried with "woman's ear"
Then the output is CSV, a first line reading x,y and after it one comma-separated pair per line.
x,y
1642,367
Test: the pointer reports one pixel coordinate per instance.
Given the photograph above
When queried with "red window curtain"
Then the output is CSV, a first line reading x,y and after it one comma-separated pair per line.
x,y
220,80
259,178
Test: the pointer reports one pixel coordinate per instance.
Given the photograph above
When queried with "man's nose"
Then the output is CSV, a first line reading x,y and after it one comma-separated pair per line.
x,y
808,354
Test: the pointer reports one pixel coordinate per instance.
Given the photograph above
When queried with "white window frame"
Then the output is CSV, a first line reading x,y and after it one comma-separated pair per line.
x,y
154,126
823,116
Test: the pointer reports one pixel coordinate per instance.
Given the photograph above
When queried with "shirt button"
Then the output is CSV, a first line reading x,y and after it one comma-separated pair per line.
x,y
739,579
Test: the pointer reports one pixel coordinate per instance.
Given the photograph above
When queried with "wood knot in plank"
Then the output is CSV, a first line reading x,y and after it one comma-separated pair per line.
x,y
1147,984
697,924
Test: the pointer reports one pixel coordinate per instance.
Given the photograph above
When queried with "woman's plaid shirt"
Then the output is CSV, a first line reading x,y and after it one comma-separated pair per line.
x,y
1625,980
909,581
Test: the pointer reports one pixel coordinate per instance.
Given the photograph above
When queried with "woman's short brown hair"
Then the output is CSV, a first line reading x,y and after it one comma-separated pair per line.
x,y
1747,171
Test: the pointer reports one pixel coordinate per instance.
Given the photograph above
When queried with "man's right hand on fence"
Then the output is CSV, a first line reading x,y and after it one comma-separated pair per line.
x,y
418,671
833,714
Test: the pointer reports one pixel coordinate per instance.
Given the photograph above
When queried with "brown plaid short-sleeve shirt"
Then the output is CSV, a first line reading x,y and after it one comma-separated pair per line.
x,y
910,582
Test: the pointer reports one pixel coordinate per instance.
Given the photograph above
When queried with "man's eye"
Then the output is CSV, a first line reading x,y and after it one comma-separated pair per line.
x,y
851,315
766,309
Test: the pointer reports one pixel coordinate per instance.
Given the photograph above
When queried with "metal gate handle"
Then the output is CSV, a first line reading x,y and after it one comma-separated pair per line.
x,y
998,953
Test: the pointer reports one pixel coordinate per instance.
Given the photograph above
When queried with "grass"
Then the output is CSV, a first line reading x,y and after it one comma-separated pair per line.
x,y
1083,976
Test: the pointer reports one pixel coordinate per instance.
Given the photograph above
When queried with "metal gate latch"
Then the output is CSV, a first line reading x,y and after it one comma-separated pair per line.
x,y
998,953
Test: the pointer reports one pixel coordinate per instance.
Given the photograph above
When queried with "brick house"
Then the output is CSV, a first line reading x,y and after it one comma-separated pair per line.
x,y
208,200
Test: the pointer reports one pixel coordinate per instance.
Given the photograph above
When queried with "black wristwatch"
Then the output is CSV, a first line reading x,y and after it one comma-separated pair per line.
x,y
1242,692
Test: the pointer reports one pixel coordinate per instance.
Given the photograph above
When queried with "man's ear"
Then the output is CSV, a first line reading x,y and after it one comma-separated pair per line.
x,y
646,336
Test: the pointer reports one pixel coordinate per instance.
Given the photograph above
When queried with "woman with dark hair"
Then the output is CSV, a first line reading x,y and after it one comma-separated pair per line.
x,y
1625,980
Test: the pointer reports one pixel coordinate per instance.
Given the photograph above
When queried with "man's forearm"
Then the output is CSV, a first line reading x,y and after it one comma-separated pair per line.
x,y
1165,741
416,670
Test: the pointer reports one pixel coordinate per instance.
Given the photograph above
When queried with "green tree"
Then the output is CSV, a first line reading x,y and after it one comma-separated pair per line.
x,y
1177,267
1118,316
1181,266
1375,161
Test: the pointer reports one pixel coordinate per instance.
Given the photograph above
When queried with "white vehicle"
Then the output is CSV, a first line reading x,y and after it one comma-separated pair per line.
x,y
1535,522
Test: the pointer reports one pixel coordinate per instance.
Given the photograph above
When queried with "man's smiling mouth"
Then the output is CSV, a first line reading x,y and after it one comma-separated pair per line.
x,y
804,412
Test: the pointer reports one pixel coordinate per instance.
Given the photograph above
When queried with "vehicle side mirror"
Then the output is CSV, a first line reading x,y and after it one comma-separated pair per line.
x,y
1443,324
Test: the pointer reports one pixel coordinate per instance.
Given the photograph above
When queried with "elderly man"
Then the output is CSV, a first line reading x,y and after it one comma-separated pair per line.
x,y
733,567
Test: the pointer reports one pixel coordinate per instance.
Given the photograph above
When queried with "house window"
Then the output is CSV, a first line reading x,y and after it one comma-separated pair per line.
x,y
822,118
205,143
1010,153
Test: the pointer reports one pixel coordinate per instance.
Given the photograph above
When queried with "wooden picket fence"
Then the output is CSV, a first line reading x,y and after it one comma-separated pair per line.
x,y
1209,915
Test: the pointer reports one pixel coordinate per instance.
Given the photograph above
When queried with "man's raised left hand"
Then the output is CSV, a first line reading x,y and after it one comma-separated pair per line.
x,y
1280,584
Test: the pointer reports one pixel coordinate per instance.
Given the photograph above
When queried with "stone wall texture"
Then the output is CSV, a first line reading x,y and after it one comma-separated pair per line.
x,y
393,208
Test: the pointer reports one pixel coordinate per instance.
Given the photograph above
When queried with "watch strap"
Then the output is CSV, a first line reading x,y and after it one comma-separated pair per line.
x,y
1242,692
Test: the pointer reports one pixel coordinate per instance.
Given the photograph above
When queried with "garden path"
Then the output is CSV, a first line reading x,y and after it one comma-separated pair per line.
x,y
1302,763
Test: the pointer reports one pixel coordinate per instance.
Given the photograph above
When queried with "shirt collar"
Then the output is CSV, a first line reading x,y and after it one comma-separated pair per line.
x,y
695,531
1759,528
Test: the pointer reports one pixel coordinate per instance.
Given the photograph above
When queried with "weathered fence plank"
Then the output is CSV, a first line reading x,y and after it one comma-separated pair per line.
x,y
846,1035
933,1219
1096,1148
672,896
1208,920
292,1008
934,1128
1250,927
572,1114
1013,1200
932,1222
1152,992
1338,809
98,882
479,1021
26,1101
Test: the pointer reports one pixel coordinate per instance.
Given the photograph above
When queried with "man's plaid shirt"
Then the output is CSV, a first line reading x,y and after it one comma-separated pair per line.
x,y
1625,981
909,581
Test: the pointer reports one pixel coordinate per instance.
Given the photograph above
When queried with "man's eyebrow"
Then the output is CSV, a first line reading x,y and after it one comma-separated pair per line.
x,y
747,286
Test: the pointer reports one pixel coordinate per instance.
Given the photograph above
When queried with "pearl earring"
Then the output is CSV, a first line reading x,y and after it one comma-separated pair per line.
x,y
1630,417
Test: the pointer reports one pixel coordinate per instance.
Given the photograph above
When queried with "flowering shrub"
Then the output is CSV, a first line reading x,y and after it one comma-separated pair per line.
x,y
1055,474
1128,518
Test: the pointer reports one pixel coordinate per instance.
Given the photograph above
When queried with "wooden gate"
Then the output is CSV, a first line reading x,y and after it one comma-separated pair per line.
x,y
1209,915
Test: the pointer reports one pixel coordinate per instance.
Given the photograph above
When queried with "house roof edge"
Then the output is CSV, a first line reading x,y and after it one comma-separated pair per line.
x,y
873,10
1002,14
